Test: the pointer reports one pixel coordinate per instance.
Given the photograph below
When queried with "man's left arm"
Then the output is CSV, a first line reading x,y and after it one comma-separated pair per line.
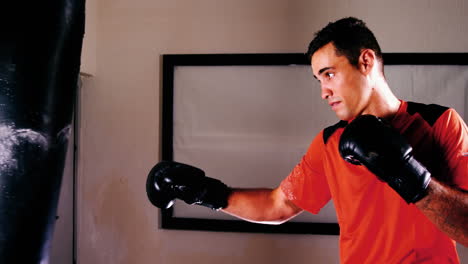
x,y
446,203
392,161
447,208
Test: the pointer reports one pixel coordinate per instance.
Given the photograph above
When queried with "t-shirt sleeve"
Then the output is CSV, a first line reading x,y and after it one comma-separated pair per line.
x,y
452,135
307,186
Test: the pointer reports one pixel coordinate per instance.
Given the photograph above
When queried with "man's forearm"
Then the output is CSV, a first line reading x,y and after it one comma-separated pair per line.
x,y
267,206
447,208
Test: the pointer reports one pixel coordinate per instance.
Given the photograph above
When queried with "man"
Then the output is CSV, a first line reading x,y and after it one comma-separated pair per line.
x,y
396,170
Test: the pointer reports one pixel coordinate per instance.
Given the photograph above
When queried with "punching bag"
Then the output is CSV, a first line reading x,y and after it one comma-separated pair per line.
x,y
40,50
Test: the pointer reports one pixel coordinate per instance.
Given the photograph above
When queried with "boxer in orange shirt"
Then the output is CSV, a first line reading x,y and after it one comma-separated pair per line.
x,y
396,170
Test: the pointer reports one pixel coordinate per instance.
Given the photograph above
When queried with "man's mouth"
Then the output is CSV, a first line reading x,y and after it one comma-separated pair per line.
x,y
334,105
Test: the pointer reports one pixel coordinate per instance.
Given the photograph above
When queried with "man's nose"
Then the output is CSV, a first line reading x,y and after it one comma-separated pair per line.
x,y
326,92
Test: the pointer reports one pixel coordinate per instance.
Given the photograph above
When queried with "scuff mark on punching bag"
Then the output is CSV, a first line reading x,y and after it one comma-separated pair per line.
x,y
11,138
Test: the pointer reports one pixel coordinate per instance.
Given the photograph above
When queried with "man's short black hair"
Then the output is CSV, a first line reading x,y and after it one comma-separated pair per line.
x,y
349,36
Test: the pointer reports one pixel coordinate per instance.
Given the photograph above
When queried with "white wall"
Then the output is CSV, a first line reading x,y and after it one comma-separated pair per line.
x,y
120,109
88,53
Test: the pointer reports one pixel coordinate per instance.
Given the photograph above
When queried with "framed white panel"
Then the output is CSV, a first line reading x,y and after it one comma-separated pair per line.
x,y
247,120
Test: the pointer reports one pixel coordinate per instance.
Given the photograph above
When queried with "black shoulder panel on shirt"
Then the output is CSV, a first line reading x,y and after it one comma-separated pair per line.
x,y
327,132
430,113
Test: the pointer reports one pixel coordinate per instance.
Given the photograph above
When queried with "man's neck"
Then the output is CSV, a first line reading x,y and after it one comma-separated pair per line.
x,y
385,103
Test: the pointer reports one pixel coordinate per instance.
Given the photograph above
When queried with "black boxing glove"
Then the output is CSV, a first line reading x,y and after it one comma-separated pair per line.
x,y
367,140
169,180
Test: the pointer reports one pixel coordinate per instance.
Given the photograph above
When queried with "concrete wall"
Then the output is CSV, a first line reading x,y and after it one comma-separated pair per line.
x,y
120,110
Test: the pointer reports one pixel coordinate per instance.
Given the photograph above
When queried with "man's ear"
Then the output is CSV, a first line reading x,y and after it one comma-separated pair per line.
x,y
367,61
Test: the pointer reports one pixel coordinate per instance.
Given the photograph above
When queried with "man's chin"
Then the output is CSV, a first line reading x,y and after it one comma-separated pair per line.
x,y
342,116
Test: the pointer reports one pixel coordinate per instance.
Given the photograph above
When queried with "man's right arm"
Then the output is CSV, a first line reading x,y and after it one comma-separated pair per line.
x,y
265,206
169,180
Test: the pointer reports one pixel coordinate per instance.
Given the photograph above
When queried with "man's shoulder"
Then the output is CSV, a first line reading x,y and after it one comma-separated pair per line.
x,y
429,112
327,132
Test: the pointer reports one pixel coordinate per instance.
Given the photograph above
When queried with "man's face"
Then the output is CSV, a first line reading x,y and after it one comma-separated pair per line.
x,y
344,86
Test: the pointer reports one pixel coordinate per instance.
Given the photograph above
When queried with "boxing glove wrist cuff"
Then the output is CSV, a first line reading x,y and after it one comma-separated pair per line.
x,y
215,194
410,181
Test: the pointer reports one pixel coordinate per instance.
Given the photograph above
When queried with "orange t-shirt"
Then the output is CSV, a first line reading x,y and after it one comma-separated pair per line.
x,y
376,224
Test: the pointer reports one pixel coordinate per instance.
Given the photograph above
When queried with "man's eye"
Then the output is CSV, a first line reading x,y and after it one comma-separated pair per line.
x,y
330,75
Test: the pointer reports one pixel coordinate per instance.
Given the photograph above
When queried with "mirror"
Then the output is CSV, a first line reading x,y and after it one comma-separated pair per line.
x,y
247,119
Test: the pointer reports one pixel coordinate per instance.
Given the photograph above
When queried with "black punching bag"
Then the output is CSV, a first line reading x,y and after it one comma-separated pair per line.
x,y
40,50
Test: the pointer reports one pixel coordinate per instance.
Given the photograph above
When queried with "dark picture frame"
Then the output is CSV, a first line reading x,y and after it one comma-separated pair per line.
x,y
171,61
